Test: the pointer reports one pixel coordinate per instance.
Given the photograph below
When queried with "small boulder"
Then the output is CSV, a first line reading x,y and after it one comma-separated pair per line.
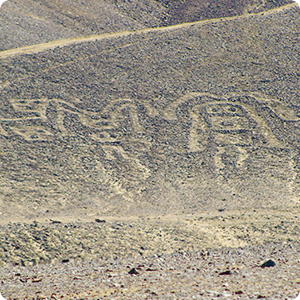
x,y
228,272
100,221
133,271
269,263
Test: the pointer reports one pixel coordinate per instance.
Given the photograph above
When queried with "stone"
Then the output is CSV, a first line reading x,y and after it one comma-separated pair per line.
x,y
238,292
55,222
65,260
133,271
100,221
269,263
228,272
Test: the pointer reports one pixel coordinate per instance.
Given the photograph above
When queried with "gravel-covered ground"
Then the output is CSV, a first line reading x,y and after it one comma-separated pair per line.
x,y
176,257
51,241
264,272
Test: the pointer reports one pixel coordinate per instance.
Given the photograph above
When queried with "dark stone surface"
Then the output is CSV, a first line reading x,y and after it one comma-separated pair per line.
x,y
269,263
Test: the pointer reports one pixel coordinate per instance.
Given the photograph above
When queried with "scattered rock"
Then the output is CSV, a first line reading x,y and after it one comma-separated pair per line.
x,y
261,297
55,222
149,269
133,271
152,293
100,221
238,292
269,263
228,272
65,260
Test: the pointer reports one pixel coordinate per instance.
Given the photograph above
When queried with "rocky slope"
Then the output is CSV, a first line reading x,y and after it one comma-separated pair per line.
x,y
184,139
30,22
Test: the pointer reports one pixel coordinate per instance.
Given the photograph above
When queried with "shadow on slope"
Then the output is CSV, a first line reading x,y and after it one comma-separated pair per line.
x,y
195,10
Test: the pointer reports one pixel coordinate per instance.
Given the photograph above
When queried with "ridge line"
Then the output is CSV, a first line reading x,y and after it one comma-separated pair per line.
x,y
36,48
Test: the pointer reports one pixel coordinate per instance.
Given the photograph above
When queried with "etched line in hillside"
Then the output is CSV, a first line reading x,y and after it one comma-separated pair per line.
x,y
37,120
223,114
198,139
170,111
32,119
235,125
29,120
65,42
35,108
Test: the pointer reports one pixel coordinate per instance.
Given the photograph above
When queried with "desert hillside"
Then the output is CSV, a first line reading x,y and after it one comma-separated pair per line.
x,y
145,134
30,22
198,116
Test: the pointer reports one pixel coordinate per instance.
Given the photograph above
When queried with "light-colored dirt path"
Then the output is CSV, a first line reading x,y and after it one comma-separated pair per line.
x,y
65,42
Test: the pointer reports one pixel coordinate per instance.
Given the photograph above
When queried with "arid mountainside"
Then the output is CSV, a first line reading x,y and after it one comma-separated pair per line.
x,y
30,22
193,117
149,149
194,10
